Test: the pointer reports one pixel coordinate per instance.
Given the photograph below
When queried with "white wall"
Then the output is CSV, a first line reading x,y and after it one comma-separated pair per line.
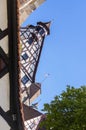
x,y
4,81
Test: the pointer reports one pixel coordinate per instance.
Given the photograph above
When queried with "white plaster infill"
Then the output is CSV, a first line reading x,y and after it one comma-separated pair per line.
x,y
4,100
4,81
3,14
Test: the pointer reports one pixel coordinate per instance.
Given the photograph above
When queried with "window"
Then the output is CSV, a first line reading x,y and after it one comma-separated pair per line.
x,y
40,30
32,6
34,37
25,56
25,79
30,40
32,125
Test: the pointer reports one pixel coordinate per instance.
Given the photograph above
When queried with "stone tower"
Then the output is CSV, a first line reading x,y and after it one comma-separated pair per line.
x,y
26,7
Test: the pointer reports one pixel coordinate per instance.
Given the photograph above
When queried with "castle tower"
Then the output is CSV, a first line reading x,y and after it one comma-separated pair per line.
x,y
32,40
26,7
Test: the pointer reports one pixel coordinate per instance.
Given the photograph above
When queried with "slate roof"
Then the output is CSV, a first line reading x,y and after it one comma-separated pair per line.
x,y
30,113
34,88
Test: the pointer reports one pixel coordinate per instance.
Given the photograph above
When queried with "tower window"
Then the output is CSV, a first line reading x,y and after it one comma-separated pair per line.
x,y
30,41
42,31
32,125
25,79
25,56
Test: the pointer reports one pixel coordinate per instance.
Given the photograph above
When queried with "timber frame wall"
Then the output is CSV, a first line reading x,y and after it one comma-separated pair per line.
x,y
14,69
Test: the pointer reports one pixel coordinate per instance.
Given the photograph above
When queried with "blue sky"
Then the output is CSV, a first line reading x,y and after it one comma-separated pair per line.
x,y
64,51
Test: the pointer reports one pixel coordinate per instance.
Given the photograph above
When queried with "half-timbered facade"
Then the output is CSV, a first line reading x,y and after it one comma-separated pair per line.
x,y
32,40
32,118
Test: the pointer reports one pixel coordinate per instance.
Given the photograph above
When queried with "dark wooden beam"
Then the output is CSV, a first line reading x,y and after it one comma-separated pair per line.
x,y
3,33
13,31
7,118
4,60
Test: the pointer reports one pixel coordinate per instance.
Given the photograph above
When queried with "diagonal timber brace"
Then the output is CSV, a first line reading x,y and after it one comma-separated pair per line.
x,y
8,117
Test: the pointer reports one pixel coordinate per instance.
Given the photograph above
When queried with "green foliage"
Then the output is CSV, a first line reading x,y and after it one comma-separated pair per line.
x,y
67,111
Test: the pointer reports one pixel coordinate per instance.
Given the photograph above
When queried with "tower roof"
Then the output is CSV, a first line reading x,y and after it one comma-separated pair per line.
x,y
46,25
34,88
30,113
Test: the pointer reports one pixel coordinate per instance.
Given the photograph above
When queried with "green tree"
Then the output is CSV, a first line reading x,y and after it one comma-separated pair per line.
x,y
67,111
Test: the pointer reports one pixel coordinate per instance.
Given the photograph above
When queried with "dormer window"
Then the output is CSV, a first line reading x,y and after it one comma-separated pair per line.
x,y
25,79
25,56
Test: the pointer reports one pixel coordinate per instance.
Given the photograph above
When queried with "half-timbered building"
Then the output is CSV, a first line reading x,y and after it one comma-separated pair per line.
x,y
32,40
20,51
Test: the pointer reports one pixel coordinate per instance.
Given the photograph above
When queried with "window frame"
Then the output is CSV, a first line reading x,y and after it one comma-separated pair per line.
x,y
25,57
24,81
